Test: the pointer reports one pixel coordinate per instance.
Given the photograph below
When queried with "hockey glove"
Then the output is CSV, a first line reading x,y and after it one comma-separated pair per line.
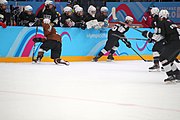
x,y
147,34
150,40
128,44
39,40
3,24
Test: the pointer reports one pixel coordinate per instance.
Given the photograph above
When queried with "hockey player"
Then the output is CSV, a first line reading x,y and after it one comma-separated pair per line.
x,y
112,43
78,17
90,18
52,42
66,20
158,46
168,31
49,12
3,6
27,18
102,17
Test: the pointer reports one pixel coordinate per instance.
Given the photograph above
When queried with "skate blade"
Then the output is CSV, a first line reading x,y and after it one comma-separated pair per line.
x,y
154,70
108,60
170,82
177,81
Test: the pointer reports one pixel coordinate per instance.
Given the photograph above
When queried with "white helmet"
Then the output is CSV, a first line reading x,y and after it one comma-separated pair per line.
x,y
154,11
129,18
48,2
92,10
78,9
104,9
164,14
75,6
3,2
28,8
67,9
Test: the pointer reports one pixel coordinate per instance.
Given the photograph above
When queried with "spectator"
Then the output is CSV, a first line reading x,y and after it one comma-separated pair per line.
x,y
49,12
66,20
147,19
27,18
3,6
78,17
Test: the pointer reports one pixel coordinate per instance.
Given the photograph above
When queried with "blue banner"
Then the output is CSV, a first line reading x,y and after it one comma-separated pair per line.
x,y
17,42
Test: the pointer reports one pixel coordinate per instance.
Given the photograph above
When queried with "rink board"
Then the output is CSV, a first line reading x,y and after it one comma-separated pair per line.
x,y
16,44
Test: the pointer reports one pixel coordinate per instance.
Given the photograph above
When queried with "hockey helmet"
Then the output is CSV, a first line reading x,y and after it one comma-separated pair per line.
x,y
92,10
28,8
67,9
163,14
78,9
104,9
154,11
49,2
129,18
3,2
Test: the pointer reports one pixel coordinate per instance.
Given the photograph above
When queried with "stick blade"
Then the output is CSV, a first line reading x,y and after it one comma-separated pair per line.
x,y
114,13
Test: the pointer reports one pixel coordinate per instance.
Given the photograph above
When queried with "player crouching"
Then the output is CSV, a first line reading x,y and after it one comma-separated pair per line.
x,y
112,43
52,42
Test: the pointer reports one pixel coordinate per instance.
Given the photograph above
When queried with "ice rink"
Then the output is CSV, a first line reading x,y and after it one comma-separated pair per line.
x,y
122,90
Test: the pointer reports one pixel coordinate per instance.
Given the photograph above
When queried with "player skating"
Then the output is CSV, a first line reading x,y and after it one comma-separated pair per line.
x,y
52,42
112,43
167,30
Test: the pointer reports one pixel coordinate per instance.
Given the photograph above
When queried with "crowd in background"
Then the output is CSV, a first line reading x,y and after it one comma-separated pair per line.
x,y
73,16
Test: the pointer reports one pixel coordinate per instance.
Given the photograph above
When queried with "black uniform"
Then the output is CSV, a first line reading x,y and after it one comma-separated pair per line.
x,y
26,20
50,14
158,45
168,31
89,17
101,17
79,22
2,15
63,20
112,43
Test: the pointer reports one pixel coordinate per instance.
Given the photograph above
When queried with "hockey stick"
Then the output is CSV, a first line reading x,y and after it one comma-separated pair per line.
x,y
133,50
129,38
140,56
115,18
113,13
34,46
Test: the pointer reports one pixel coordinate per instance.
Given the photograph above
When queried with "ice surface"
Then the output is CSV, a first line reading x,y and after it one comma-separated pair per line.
x,y
123,90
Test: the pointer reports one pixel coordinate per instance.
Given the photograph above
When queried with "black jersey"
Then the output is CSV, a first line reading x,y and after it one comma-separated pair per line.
x,y
2,15
120,29
25,19
77,19
65,19
89,17
50,14
101,17
155,21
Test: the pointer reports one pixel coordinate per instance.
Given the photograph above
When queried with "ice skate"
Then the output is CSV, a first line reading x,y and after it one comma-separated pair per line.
x,y
154,68
110,58
61,62
162,69
170,80
95,59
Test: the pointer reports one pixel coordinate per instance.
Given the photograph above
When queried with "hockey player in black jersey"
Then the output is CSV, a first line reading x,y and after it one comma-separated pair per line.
x,y
167,30
66,18
78,17
49,12
3,6
27,18
158,46
112,43
102,17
